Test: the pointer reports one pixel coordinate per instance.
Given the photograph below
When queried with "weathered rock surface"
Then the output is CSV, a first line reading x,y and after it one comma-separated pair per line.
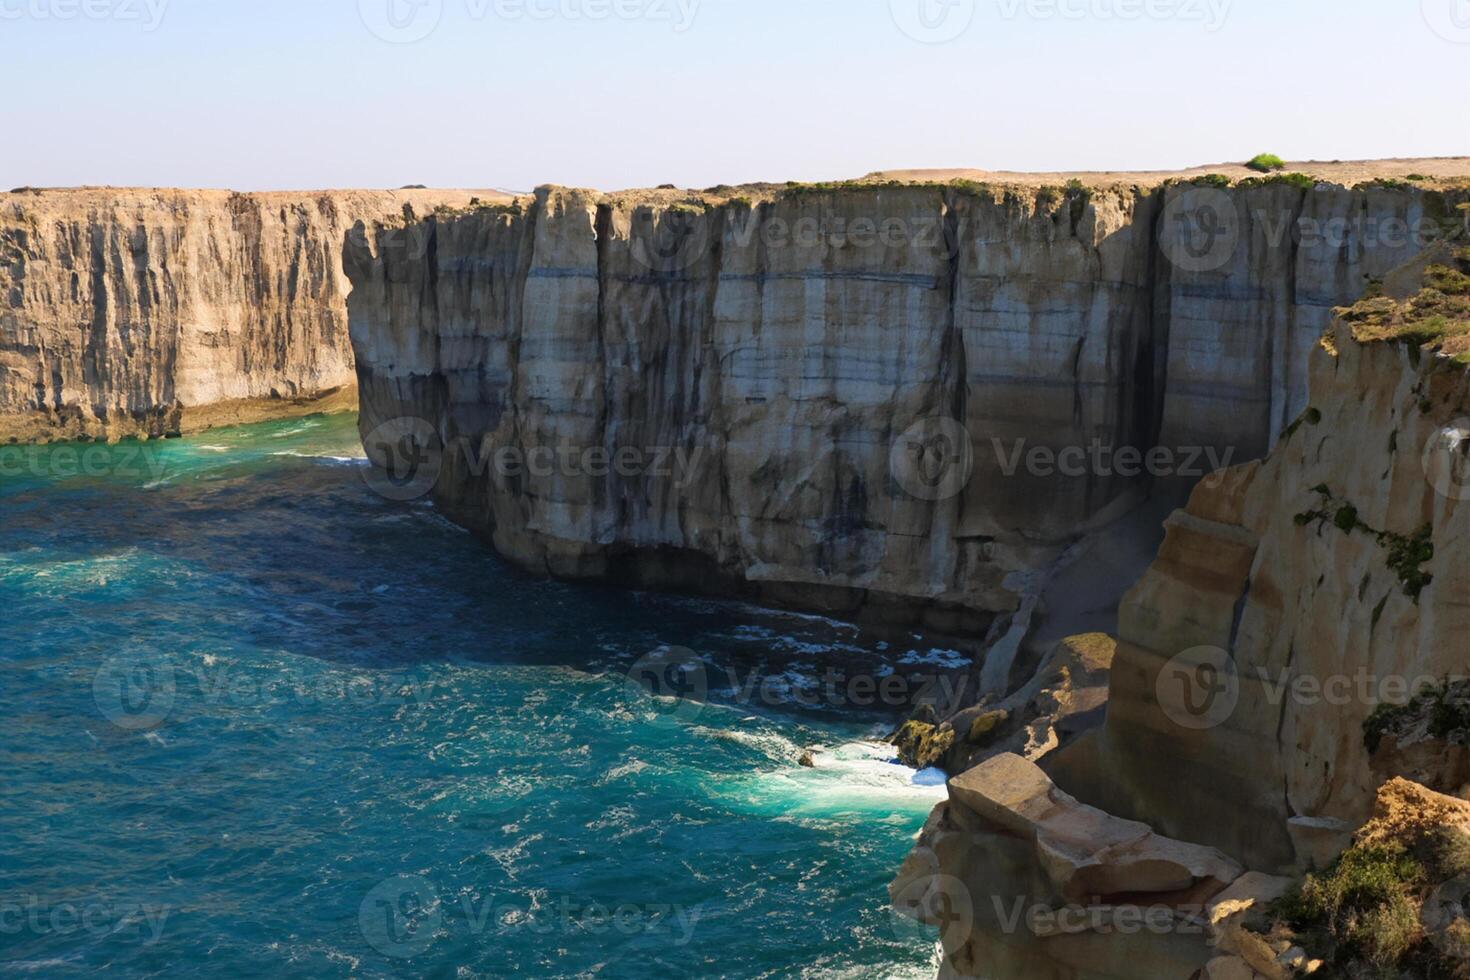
x,y
786,350
1288,601
1065,698
1023,881
123,311
1083,851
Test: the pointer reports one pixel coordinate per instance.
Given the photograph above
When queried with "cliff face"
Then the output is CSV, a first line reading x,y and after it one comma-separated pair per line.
x,y
1295,602
1327,580
121,310
849,383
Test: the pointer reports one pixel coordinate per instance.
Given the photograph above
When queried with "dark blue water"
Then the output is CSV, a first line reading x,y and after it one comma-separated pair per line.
x,y
259,721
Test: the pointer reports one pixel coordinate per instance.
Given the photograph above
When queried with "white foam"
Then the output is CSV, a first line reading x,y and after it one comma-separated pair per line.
x,y
854,776
937,658
326,457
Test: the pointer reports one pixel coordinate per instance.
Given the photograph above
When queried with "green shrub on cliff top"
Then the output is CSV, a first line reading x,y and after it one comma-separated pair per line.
x,y
1266,162
1300,181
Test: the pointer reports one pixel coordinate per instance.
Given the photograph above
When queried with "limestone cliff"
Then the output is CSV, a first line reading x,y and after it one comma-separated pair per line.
x,y
1329,579
853,377
1257,699
122,311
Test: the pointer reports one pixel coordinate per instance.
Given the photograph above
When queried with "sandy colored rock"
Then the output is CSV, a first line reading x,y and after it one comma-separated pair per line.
x,y
123,312
791,369
1317,625
1084,851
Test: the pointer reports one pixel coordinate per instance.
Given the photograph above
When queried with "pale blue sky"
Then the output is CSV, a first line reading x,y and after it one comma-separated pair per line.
x,y
256,94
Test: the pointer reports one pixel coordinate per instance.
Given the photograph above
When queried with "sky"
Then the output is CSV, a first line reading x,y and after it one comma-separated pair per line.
x,y
308,94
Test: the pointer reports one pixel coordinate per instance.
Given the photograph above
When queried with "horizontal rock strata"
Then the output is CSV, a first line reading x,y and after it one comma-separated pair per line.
x,y
808,358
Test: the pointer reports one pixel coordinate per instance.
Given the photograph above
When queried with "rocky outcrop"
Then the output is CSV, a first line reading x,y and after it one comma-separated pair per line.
x,y
1064,699
147,312
1289,601
845,398
1298,642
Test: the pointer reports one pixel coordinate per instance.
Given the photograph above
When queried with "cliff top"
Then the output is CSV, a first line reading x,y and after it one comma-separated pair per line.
x,y
423,199
1426,171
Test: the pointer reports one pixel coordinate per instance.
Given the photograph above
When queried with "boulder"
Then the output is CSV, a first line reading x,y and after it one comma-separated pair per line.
x,y
1084,851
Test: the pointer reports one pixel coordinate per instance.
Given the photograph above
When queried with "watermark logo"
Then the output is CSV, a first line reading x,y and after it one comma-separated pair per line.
x,y
409,243
940,901
933,21
401,21
1447,460
1210,13
1450,19
933,460
1199,689
410,21
1201,229
100,919
135,691
400,917
146,13
669,241
675,678
407,456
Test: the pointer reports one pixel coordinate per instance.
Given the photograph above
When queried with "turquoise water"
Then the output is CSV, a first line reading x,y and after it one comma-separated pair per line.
x,y
259,721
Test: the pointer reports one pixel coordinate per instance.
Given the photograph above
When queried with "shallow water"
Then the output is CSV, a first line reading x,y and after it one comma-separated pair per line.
x,y
258,720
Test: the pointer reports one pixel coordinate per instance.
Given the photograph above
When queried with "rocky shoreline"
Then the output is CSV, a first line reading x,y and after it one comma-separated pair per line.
x,y
1182,463
598,323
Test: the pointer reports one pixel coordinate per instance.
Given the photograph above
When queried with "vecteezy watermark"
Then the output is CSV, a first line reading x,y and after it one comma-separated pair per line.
x,y
403,917
147,14
1199,689
407,459
400,917
1342,690
409,21
409,456
140,691
941,21
1097,458
673,240
65,461
670,241
409,242
675,678
1450,19
1045,921
935,459
1201,229
1211,14
933,21
939,901
678,683
1447,460
36,916
136,691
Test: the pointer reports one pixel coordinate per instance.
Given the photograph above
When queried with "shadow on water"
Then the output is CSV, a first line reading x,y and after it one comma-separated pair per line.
x,y
284,547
